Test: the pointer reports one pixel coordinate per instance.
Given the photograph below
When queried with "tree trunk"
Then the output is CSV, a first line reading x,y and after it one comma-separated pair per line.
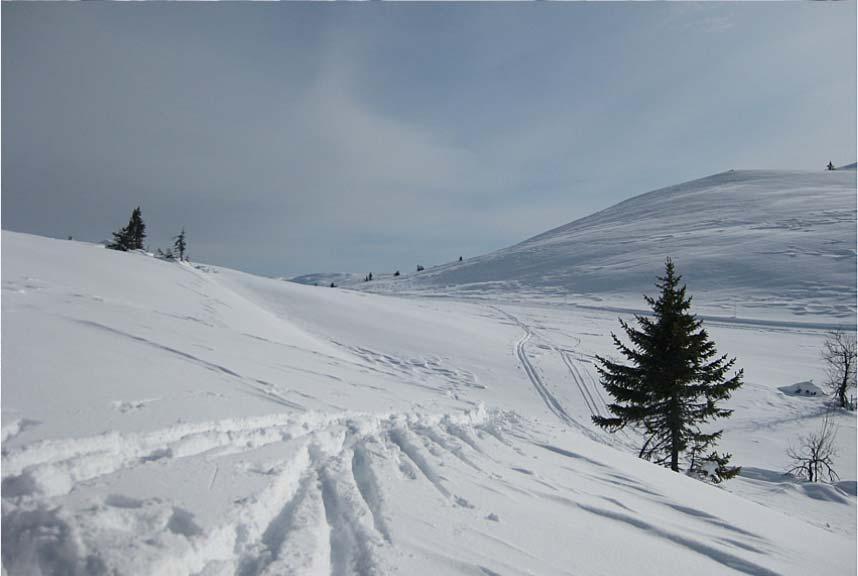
x,y
674,451
674,436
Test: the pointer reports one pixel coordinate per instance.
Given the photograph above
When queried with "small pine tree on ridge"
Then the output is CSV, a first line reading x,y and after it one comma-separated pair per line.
x,y
131,236
179,246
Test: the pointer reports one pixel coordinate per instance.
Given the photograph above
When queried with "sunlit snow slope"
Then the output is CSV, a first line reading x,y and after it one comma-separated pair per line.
x,y
169,418
756,244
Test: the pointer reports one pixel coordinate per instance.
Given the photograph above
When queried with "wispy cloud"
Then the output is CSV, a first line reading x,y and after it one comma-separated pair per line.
x,y
297,137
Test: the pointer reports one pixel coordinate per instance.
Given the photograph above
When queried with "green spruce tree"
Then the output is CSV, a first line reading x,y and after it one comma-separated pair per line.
x,y
672,385
121,240
179,245
131,236
137,228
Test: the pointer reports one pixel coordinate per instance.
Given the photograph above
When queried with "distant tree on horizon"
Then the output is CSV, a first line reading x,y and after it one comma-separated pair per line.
x,y
121,240
137,229
179,246
672,386
131,236
165,254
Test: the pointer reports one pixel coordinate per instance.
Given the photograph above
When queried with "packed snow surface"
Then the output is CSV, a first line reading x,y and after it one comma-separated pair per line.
x,y
754,244
174,418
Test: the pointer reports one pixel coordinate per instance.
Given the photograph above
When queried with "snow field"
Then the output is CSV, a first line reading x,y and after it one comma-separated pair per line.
x,y
166,418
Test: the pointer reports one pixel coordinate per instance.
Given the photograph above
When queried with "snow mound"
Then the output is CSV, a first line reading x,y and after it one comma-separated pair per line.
x,y
807,388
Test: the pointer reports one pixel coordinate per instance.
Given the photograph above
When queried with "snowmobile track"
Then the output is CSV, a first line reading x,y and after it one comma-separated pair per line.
x,y
550,400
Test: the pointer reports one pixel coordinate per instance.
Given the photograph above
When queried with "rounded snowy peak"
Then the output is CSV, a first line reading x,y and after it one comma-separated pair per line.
x,y
772,242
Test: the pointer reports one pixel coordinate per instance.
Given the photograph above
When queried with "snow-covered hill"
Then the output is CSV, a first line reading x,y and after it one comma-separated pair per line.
x,y
326,278
753,244
168,418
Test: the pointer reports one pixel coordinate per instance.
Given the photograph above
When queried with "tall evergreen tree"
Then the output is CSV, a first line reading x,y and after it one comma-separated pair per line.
x,y
137,228
179,245
673,384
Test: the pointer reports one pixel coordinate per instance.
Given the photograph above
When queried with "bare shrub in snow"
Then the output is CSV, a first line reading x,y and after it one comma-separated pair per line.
x,y
814,457
838,352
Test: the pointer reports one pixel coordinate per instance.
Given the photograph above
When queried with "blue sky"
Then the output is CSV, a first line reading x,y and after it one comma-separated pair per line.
x,y
294,138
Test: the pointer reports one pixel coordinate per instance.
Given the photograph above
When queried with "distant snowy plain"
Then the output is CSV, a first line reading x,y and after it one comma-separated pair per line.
x,y
174,418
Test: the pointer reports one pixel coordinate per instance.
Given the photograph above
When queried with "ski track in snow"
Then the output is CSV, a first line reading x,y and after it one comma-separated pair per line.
x,y
588,387
257,387
521,353
551,401
581,384
322,510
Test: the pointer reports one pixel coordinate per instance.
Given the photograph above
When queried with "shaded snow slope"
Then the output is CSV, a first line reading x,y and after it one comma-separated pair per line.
x,y
325,279
757,244
169,418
